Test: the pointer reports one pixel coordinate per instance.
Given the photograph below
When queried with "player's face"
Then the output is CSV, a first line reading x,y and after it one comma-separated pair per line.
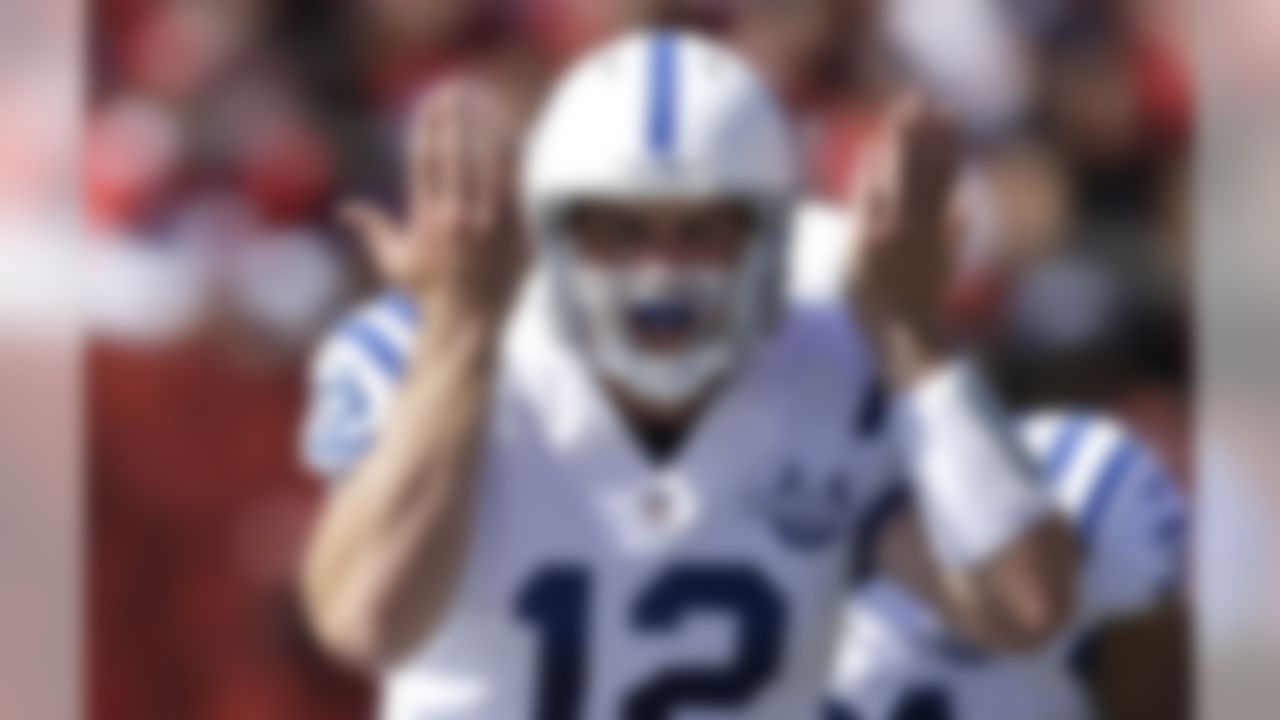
x,y
672,265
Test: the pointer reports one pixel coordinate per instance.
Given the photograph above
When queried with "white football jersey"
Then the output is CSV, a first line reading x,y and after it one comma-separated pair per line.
x,y
897,662
601,586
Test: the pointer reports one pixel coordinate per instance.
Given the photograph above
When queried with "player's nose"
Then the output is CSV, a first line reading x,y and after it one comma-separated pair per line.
x,y
668,248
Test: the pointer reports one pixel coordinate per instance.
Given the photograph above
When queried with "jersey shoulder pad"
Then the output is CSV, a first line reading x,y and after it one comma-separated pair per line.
x,y
1128,511
353,375
1086,457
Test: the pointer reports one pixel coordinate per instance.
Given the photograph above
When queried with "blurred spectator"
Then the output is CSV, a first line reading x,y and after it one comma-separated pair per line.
x,y
133,151
173,50
256,134
407,44
197,515
829,61
965,55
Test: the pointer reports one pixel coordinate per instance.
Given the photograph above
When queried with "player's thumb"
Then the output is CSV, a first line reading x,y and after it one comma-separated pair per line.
x,y
375,229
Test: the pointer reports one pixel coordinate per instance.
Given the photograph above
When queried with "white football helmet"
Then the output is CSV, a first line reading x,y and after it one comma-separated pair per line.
x,y
659,116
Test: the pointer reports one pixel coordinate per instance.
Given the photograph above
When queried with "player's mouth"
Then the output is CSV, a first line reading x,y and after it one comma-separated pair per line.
x,y
663,326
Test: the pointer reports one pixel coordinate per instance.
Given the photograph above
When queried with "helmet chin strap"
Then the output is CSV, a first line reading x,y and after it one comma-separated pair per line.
x,y
665,380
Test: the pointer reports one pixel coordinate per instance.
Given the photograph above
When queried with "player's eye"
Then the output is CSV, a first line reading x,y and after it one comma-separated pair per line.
x,y
609,236
715,236
617,237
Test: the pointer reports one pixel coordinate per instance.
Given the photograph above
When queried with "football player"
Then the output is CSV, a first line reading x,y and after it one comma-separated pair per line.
x,y
627,483
1123,654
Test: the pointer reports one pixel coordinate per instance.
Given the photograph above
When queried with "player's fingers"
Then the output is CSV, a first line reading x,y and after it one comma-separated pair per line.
x,y
494,161
477,116
425,161
376,230
866,198
905,112
931,156
367,220
918,125
884,196
451,140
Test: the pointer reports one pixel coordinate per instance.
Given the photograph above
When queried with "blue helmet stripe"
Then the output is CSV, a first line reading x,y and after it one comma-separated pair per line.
x,y
663,86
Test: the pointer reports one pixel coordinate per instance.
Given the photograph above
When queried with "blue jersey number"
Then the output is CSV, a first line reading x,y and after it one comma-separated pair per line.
x,y
924,703
556,604
921,703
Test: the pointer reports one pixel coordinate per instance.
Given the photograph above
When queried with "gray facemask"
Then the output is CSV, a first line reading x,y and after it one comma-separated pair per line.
x,y
721,310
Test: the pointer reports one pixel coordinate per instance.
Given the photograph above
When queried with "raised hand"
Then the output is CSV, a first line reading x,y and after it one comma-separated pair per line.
x,y
901,263
458,250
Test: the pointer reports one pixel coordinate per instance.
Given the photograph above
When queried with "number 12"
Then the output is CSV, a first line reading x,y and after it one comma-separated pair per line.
x,y
556,604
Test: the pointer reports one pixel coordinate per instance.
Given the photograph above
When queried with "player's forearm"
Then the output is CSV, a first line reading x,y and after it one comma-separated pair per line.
x,y
1024,594
909,348
990,525
386,552
1006,604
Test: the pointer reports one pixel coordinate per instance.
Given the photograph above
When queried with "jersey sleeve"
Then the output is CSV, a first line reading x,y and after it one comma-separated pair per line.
x,y
353,378
879,664
1129,513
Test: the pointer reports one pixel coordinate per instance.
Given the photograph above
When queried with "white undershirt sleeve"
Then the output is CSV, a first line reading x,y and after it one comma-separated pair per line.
x,y
974,483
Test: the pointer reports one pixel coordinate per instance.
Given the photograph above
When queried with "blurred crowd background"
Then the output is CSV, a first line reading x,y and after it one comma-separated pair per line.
x,y
221,133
